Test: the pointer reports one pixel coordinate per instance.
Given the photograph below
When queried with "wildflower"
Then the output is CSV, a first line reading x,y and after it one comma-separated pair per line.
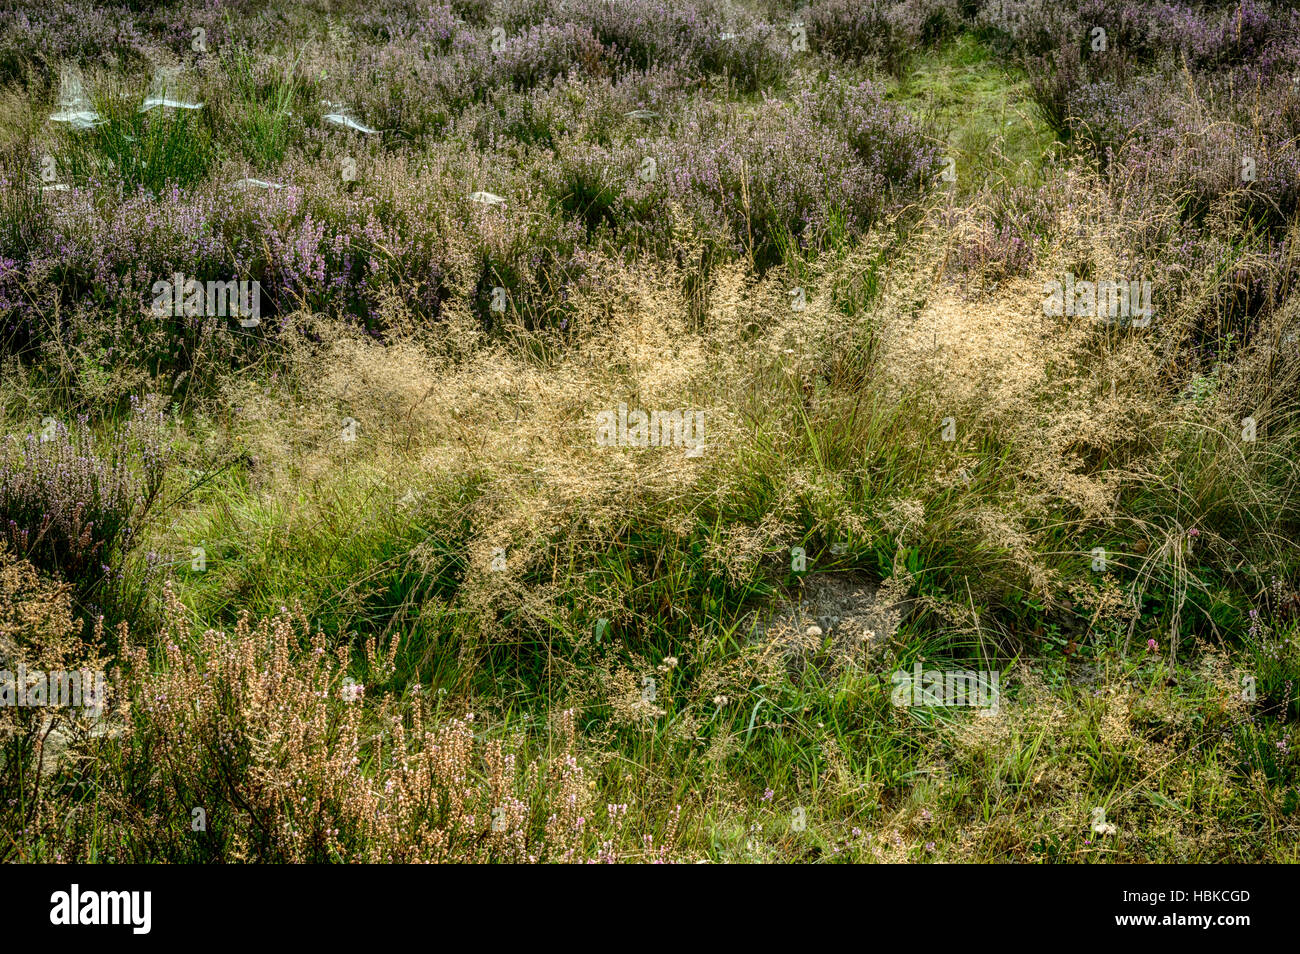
x,y
1153,646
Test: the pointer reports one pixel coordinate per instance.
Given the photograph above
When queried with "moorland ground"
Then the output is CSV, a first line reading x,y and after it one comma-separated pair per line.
x,y
387,567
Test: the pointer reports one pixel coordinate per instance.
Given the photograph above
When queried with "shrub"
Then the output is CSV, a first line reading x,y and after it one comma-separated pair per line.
x,y
774,178
39,633
291,760
70,510
889,32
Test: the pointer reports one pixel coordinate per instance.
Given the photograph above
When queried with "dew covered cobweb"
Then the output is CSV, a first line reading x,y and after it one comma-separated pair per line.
x,y
165,91
74,106
247,184
340,115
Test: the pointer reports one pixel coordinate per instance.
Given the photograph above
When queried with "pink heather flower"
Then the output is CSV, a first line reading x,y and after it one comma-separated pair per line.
x,y
1151,645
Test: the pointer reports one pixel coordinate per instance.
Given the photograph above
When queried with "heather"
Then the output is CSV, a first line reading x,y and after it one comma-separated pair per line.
x,y
160,192
372,574
72,508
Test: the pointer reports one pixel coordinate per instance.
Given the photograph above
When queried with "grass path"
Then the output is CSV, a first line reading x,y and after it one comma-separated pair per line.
x,y
982,110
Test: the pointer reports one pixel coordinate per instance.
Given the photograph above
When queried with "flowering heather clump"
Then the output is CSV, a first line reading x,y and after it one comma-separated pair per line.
x,y
57,32
641,33
68,508
263,729
1153,137
779,175
545,52
890,32
138,197
39,632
